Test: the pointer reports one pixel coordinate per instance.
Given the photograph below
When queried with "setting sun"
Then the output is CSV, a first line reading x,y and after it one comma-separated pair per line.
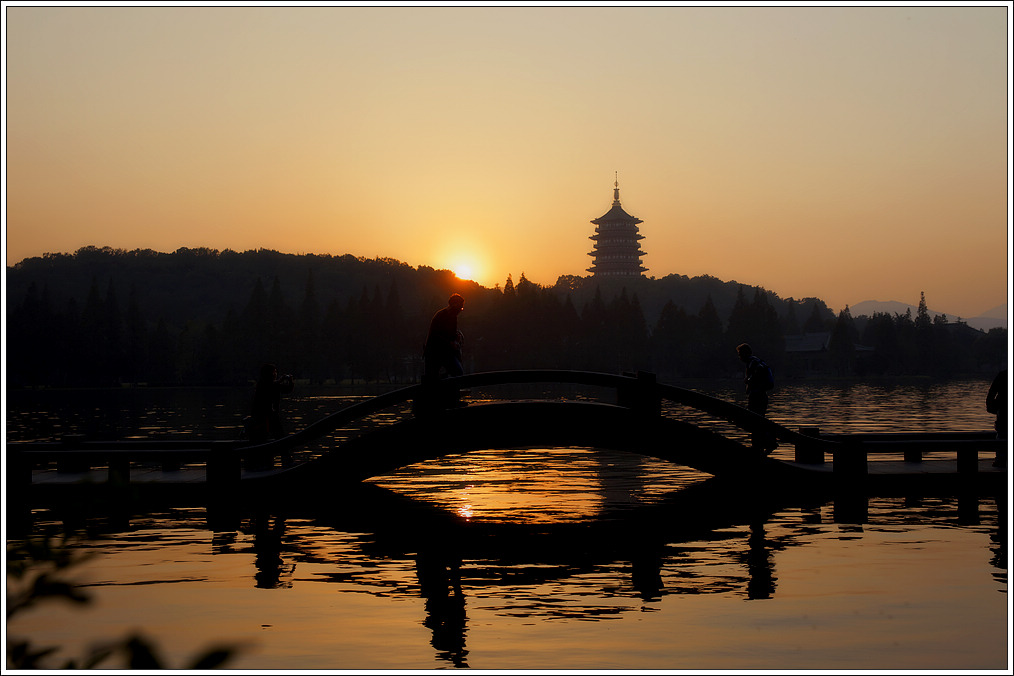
x,y
463,270
468,264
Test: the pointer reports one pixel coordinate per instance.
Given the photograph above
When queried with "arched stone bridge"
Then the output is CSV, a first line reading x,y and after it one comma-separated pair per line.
x,y
632,418
634,423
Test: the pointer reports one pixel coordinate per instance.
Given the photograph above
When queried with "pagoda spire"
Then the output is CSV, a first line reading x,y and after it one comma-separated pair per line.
x,y
616,190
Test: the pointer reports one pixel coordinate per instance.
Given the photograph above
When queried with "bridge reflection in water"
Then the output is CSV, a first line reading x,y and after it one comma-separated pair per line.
x,y
703,539
633,530
507,556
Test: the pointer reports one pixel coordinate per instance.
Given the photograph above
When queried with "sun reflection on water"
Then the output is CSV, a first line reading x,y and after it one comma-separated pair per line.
x,y
538,485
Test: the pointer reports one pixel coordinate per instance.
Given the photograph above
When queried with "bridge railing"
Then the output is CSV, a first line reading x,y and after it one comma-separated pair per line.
x,y
224,459
640,392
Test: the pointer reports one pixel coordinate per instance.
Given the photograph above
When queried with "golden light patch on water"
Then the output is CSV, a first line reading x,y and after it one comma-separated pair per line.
x,y
538,485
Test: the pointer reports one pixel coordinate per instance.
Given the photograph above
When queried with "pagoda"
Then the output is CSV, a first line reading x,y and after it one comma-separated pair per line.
x,y
617,251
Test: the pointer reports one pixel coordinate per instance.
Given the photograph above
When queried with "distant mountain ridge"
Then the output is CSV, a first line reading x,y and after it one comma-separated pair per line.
x,y
992,318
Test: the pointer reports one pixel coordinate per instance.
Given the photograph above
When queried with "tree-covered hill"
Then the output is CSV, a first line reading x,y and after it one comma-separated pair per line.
x,y
102,316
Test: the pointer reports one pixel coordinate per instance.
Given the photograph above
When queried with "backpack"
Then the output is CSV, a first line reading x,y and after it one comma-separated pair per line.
x,y
764,376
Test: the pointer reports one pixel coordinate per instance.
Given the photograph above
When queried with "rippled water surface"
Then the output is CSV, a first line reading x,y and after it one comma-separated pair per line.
x,y
539,558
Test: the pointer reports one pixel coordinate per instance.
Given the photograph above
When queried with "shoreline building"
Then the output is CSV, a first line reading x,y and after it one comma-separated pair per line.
x,y
617,250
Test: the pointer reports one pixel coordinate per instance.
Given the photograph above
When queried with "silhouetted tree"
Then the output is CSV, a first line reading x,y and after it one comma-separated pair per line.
x,y
94,355
815,323
790,326
398,344
671,342
114,356
279,325
842,345
990,350
767,337
594,336
741,324
333,342
210,357
569,323
943,358
254,328
307,358
906,331
135,344
508,287
924,337
881,334
709,355
162,355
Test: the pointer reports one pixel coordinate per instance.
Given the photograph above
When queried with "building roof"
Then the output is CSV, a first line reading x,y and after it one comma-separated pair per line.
x,y
815,342
616,214
807,342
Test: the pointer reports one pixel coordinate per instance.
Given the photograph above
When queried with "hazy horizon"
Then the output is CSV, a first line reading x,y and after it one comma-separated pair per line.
x,y
848,153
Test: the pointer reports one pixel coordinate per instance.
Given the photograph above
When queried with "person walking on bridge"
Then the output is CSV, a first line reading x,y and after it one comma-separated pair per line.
x,y
759,381
443,342
443,345
265,421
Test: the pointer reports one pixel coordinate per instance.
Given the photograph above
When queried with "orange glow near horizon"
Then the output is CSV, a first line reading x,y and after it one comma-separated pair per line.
x,y
848,153
463,270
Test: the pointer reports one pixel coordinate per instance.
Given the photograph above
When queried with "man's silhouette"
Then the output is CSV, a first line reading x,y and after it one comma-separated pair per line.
x,y
443,343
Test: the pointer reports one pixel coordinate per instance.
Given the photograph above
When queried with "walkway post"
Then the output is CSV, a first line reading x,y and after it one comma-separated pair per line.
x,y
850,462
647,401
807,452
119,471
641,395
19,474
223,468
968,460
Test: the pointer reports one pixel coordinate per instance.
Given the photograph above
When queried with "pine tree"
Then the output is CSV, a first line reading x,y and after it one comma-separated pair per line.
x,y
815,323
307,359
136,338
842,347
791,327
711,353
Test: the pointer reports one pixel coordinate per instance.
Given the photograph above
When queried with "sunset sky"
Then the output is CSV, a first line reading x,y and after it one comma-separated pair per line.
x,y
844,152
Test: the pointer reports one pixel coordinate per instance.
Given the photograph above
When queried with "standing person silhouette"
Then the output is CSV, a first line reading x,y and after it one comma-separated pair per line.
x,y
266,417
443,345
443,342
758,381
996,403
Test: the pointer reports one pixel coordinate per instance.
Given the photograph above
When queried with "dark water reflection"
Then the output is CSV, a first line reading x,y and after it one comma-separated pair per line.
x,y
556,558
473,585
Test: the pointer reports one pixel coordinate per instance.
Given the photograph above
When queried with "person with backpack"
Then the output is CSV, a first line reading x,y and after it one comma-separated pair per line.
x,y
759,380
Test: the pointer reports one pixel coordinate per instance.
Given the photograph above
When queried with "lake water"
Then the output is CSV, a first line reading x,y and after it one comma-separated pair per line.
x,y
536,559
